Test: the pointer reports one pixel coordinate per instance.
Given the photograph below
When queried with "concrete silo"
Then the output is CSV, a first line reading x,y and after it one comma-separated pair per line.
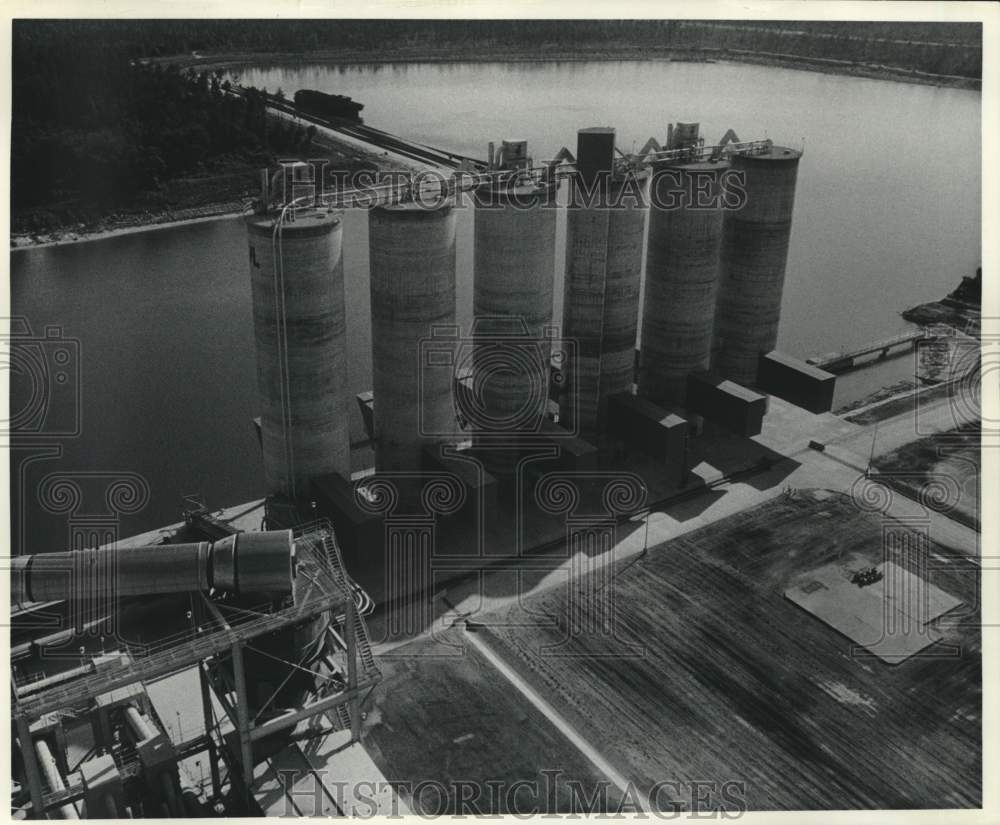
x,y
604,233
682,273
297,278
515,236
412,260
754,254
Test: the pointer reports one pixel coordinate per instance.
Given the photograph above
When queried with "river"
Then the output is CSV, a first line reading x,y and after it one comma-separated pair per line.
x,y
887,215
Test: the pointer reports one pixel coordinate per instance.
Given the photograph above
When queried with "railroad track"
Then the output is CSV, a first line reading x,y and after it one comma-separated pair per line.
x,y
375,137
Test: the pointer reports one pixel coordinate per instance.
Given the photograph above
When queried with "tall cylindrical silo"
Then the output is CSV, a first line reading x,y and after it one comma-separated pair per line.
x,y
604,232
754,254
682,273
514,253
297,277
412,260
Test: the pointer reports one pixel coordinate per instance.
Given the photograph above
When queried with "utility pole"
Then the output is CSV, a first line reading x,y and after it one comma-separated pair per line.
x,y
649,513
871,455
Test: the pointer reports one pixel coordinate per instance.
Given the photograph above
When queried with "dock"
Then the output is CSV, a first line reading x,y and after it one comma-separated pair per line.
x,y
840,362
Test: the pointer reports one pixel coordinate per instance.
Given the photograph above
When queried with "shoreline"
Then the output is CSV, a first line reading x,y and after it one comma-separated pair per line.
x,y
961,315
226,211
135,223
820,65
332,143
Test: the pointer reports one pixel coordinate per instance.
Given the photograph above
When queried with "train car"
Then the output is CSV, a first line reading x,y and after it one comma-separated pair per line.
x,y
329,106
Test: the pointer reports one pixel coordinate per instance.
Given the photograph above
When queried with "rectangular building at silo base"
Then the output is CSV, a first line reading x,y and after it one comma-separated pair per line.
x,y
650,428
796,381
574,453
359,532
726,403
559,451
480,487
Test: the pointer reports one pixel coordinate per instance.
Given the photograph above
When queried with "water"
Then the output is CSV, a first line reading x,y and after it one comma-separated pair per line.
x,y
887,215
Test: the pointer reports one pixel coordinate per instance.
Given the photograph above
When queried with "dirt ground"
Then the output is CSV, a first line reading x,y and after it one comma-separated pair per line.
x,y
949,461
698,682
443,717
737,684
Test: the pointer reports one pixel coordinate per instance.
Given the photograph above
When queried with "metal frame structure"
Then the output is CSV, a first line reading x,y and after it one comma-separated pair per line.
x,y
471,174
326,589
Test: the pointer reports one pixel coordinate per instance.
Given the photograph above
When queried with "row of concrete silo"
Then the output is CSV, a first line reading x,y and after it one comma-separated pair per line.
x,y
713,285
715,271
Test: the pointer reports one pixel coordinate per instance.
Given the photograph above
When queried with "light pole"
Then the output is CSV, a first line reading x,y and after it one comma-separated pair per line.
x,y
871,455
649,512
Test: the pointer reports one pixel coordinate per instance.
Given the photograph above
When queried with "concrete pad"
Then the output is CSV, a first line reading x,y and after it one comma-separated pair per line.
x,y
787,429
889,618
306,789
282,782
327,776
361,789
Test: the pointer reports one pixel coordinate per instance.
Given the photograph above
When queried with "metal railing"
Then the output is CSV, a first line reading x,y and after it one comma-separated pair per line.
x,y
441,189
179,650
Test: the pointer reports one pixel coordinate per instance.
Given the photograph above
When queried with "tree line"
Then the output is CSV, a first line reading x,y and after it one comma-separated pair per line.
x,y
94,123
91,137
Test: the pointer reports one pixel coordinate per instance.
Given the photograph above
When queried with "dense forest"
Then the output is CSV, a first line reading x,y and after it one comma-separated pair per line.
x,y
89,139
915,41
100,115
942,48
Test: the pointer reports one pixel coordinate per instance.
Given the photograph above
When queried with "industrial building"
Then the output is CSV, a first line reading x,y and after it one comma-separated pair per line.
x,y
605,222
465,427
412,255
262,629
514,253
754,255
297,278
682,269
797,381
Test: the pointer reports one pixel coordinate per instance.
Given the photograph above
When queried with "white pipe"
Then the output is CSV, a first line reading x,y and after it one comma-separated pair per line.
x,y
49,767
142,729
49,681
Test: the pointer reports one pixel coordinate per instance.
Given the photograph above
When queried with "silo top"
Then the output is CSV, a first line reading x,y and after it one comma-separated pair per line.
x,y
416,210
525,191
692,165
775,153
307,222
